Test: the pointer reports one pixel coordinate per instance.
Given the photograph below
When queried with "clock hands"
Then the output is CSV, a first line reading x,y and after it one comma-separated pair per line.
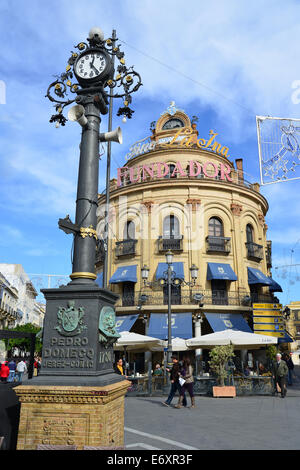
x,y
92,65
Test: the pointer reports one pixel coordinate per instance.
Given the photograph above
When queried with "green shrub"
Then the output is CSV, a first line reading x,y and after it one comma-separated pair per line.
x,y
219,357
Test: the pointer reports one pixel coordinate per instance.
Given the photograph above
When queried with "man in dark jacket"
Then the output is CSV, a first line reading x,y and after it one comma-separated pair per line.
x,y
280,371
289,362
175,385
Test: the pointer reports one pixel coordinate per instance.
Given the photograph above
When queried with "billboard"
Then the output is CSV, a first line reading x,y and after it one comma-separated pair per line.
x,y
278,149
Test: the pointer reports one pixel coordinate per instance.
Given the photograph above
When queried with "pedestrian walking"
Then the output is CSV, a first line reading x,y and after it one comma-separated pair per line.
x,y
4,372
188,386
175,385
21,368
280,371
289,362
12,370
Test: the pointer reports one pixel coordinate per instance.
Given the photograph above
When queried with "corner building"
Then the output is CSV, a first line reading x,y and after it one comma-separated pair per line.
x,y
178,190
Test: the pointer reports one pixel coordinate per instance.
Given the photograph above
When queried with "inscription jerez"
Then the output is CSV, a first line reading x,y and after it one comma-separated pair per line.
x,y
69,352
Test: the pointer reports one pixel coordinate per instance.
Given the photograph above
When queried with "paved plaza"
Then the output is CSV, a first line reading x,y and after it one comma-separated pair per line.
x,y
241,423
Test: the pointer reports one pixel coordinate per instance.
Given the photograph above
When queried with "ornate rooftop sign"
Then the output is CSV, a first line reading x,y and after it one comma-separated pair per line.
x,y
150,171
185,137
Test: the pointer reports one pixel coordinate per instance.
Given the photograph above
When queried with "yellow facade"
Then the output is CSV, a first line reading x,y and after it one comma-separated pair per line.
x,y
208,214
293,324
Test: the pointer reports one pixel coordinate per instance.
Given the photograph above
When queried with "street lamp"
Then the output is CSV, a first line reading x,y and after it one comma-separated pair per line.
x,y
93,68
169,279
80,317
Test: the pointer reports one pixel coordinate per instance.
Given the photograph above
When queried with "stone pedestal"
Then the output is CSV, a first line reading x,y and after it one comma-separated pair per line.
x,y
80,416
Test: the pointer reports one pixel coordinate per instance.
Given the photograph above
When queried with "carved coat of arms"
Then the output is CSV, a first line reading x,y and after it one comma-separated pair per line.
x,y
70,320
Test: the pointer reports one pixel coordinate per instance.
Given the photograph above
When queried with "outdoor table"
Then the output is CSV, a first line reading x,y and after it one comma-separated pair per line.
x,y
139,385
203,384
253,385
159,383
245,385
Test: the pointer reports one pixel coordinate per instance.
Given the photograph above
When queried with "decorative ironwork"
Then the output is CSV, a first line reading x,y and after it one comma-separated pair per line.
x,y
218,244
255,251
173,244
126,79
126,247
100,252
186,297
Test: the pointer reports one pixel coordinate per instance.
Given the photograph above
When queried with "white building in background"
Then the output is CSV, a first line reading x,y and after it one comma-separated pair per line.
x,y
28,310
9,314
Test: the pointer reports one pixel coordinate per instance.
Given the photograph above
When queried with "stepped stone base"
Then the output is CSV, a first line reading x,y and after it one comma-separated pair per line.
x,y
75,416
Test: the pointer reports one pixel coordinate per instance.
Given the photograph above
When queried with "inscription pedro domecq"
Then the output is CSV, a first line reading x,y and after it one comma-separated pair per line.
x,y
71,351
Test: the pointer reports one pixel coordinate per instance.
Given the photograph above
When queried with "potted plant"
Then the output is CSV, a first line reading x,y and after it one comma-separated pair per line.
x,y
219,356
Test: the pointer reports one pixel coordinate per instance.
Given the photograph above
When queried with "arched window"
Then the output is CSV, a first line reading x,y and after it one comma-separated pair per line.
x,y
249,233
171,227
129,230
171,169
215,227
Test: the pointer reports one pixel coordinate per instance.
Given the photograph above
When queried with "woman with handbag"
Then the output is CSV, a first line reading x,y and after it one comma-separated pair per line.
x,y
188,385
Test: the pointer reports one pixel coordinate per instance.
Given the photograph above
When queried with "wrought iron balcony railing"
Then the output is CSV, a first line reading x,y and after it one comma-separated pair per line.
x,y
100,252
186,297
126,247
254,251
218,244
173,244
269,254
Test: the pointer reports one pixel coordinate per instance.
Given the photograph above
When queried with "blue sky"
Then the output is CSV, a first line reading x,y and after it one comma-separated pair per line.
x,y
225,62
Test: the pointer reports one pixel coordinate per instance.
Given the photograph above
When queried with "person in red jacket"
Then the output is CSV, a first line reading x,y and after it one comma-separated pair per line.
x,y
4,372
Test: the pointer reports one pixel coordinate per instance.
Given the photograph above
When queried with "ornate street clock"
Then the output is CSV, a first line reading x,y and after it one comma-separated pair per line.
x,y
173,123
93,66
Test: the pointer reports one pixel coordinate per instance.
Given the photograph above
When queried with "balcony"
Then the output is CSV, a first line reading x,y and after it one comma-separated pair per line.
x,y
218,245
173,244
156,298
269,254
100,252
126,248
254,251
186,297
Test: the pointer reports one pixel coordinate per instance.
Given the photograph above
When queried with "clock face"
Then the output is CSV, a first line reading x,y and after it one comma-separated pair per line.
x,y
173,123
90,65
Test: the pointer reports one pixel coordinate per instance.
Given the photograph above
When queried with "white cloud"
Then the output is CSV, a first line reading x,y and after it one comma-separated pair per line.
x,y
213,58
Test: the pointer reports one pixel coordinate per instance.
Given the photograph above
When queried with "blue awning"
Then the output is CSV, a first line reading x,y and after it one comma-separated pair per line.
x,y
124,274
125,322
224,321
220,271
275,287
99,279
178,269
181,326
286,339
255,276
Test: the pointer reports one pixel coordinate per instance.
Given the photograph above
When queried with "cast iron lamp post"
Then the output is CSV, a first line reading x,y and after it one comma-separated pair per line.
x,y
79,328
169,279
93,68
